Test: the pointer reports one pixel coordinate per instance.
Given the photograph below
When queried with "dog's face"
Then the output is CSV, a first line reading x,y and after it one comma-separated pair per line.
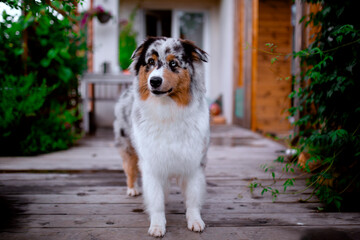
x,y
165,68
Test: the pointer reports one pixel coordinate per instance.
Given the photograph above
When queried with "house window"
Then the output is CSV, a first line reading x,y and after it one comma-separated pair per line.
x,y
191,26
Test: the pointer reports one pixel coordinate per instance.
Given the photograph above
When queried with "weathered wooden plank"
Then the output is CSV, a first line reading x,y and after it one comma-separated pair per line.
x,y
210,233
235,197
222,208
173,220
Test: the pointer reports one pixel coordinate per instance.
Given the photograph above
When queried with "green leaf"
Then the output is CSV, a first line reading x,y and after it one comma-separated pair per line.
x,y
64,53
65,73
273,175
52,53
337,204
18,51
339,38
45,62
274,59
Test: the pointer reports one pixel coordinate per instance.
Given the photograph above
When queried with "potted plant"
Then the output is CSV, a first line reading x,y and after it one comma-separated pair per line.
x,y
99,12
127,41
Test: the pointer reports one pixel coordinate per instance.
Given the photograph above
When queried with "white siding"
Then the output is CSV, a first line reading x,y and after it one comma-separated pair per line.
x,y
227,56
106,38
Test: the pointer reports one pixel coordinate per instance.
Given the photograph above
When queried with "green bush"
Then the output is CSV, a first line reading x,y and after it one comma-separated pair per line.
x,y
329,102
329,107
41,59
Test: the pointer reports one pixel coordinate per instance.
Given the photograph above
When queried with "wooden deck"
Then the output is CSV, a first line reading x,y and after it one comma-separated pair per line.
x,y
80,194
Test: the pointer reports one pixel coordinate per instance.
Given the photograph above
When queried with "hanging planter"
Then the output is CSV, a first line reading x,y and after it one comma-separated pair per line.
x,y
103,17
98,12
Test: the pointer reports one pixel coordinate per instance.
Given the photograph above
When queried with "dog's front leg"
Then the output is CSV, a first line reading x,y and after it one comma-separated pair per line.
x,y
194,190
154,200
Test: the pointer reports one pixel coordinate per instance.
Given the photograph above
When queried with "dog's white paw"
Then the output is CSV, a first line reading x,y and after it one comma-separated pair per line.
x,y
132,192
157,230
196,225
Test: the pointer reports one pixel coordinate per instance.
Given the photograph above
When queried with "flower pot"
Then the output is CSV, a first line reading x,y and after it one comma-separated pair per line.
x,y
103,17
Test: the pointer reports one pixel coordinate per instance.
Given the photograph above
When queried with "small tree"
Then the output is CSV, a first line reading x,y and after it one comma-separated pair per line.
x,y
41,59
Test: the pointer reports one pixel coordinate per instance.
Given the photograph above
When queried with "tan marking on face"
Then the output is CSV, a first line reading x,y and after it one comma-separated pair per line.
x,y
143,78
143,86
153,56
180,83
170,57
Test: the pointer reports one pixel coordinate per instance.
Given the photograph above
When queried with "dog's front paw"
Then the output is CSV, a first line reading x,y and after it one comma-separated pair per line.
x,y
157,230
132,192
196,225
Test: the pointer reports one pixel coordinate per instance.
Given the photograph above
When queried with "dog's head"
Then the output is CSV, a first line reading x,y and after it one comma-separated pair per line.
x,y
167,67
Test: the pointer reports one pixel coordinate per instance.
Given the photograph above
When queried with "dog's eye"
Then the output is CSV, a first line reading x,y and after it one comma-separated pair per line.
x,y
172,64
151,62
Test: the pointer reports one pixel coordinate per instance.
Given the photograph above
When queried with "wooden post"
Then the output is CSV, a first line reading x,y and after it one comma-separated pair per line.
x,y
247,62
255,33
239,31
90,64
298,45
239,48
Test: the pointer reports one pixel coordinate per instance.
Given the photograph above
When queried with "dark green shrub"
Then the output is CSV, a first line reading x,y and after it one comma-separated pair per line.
x,y
329,107
41,59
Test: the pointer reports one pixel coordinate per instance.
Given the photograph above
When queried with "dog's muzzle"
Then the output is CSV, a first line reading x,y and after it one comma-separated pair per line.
x,y
155,82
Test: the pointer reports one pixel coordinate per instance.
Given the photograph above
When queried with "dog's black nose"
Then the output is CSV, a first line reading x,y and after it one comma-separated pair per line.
x,y
155,82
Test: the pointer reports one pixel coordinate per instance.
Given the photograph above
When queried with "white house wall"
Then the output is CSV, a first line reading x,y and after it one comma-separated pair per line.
x,y
227,12
106,38
105,49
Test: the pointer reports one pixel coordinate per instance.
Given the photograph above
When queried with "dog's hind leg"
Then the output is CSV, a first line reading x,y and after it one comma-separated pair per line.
x,y
194,189
130,165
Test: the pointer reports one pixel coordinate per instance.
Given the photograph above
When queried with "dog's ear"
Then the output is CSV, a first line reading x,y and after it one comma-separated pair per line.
x,y
138,55
137,52
135,57
195,53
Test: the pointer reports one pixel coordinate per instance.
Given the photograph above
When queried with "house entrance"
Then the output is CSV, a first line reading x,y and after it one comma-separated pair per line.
x,y
158,22
177,24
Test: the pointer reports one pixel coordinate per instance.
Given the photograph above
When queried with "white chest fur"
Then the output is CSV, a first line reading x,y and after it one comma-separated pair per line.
x,y
170,140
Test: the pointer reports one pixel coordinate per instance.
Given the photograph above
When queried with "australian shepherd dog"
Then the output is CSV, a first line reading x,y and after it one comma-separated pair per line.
x,y
162,127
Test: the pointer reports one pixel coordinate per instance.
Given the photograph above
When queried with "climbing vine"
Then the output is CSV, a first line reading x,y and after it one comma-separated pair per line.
x,y
328,122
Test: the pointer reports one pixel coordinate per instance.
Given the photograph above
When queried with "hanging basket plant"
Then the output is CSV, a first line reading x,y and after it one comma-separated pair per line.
x,y
103,17
98,12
